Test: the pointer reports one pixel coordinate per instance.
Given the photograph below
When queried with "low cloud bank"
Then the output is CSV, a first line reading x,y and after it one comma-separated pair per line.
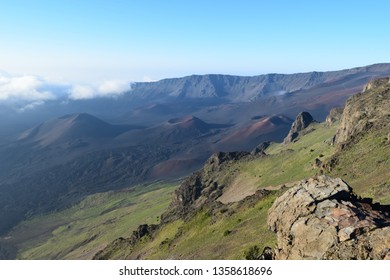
x,y
109,88
30,91
27,88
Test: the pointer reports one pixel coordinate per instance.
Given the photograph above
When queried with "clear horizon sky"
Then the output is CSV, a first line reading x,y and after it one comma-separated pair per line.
x,y
80,41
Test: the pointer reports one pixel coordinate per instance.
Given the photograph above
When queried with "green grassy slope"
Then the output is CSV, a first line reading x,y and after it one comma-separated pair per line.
x,y
80,231
284,164
292,162
221,235
366,166
363,157
227,232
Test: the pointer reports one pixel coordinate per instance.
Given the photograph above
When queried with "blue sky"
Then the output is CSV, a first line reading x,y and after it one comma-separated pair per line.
x,y
87,41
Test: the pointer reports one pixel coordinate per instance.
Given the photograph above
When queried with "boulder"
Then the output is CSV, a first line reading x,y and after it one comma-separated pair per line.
x,y
321,218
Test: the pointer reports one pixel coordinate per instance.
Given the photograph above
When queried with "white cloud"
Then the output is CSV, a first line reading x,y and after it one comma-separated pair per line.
x,y
27,91
81,92
31,106
113,87
23,88
109,88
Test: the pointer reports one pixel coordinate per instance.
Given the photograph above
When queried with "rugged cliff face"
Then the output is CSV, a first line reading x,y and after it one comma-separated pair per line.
x,y
365,111
362,142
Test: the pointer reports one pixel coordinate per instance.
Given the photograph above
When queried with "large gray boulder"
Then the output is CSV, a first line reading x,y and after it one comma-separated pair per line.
x,y
321,218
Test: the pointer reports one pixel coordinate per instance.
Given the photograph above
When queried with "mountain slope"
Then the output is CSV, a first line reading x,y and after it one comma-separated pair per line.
x,y
71,128
57,163
220,212
80,231
246,137
363,142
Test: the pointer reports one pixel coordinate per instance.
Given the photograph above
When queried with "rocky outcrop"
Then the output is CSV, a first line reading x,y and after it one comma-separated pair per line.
x,y
301,122
195,192
376,83
334,116
200,188
217,159
321,218
142,231
365,111
126,243
259,150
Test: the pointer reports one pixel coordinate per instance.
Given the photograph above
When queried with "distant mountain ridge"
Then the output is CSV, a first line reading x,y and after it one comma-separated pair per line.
x,y
250,88
144,103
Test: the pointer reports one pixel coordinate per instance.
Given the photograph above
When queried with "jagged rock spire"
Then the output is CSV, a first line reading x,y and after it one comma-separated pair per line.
x,y
301,122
